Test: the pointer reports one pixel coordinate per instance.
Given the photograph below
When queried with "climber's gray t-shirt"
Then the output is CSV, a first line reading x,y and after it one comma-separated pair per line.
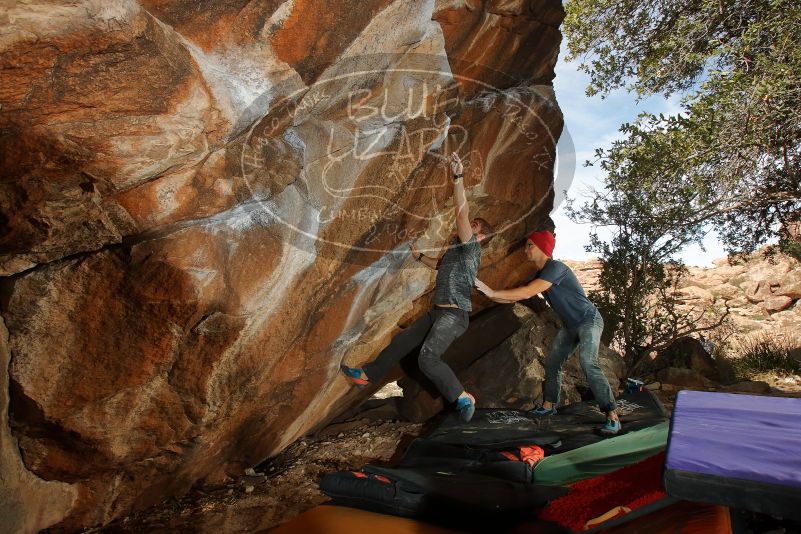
x,y
566,296
457,272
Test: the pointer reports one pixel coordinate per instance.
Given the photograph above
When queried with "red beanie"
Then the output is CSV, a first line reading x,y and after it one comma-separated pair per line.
x,y
544,240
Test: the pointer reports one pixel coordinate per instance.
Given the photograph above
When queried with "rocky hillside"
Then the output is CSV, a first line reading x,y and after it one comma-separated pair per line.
x,y
206,208
762,293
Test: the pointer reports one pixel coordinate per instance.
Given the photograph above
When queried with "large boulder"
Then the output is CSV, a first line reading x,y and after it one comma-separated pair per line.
x,y
756,290
206,208
726,291
790,284
695,293
683,378
777,303
685,353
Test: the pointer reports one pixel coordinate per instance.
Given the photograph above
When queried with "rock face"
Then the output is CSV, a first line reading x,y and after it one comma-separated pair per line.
x,y
206,208
22,492
685,353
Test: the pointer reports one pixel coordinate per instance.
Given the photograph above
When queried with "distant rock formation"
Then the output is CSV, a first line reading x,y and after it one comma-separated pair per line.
x,y
763,293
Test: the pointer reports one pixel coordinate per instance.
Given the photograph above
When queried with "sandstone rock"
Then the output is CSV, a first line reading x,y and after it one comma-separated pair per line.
x,y
790,284
681,377
726,291
749,324
756,290
686,353
693,274
21,490
587,272
770,270
504,31
788,320
697,293
776,303
206,214
728,273
708,280
747,317
738,302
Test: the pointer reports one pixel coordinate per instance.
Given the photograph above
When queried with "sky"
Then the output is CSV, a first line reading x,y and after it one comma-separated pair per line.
x,y
590,123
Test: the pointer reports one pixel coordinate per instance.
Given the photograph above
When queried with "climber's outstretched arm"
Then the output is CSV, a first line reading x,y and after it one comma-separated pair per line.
x,y
419,256
460,200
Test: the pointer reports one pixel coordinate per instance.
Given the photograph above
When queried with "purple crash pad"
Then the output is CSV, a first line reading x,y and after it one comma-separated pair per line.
x,y
734,436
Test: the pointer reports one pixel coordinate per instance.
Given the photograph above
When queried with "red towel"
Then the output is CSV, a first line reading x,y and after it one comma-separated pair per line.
x,y
631,487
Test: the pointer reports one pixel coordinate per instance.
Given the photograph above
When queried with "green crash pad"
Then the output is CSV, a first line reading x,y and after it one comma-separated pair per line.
x,y
602,457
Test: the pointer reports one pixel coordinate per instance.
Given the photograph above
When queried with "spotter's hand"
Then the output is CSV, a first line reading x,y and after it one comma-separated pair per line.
x,y
484,288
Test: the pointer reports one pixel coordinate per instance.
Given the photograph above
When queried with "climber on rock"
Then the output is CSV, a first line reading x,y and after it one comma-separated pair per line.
x,y
582,326
448,318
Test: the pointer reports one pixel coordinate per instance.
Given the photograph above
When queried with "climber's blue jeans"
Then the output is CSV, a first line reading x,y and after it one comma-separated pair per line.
x,y
436,330
587,337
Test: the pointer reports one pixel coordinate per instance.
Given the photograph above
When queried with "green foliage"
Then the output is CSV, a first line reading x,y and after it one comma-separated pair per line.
x,y
639,277
791,248
650,210
731,159
765,354
733,153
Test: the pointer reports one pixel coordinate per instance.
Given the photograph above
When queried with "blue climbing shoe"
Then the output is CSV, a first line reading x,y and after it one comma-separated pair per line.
x,y
466,407
355,376
539,410
611,427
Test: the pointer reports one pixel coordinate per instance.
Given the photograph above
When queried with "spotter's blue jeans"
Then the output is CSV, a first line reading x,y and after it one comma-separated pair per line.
x,y
587,337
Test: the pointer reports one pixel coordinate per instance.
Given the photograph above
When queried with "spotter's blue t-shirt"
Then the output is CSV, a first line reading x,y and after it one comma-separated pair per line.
x,y
566,296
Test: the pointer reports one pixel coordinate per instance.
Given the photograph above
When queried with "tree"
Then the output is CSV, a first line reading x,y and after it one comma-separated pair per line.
x,y
729,159
736,143
649,206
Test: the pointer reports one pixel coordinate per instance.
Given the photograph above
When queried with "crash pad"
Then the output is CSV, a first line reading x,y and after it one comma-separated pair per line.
x,y
574,425
736,450
341,520
601,457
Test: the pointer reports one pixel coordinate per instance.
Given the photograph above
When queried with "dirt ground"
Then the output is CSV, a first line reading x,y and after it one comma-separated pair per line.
x,y
275,491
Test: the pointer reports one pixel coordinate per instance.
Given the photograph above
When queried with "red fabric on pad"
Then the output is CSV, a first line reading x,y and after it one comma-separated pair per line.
x,y
632,486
